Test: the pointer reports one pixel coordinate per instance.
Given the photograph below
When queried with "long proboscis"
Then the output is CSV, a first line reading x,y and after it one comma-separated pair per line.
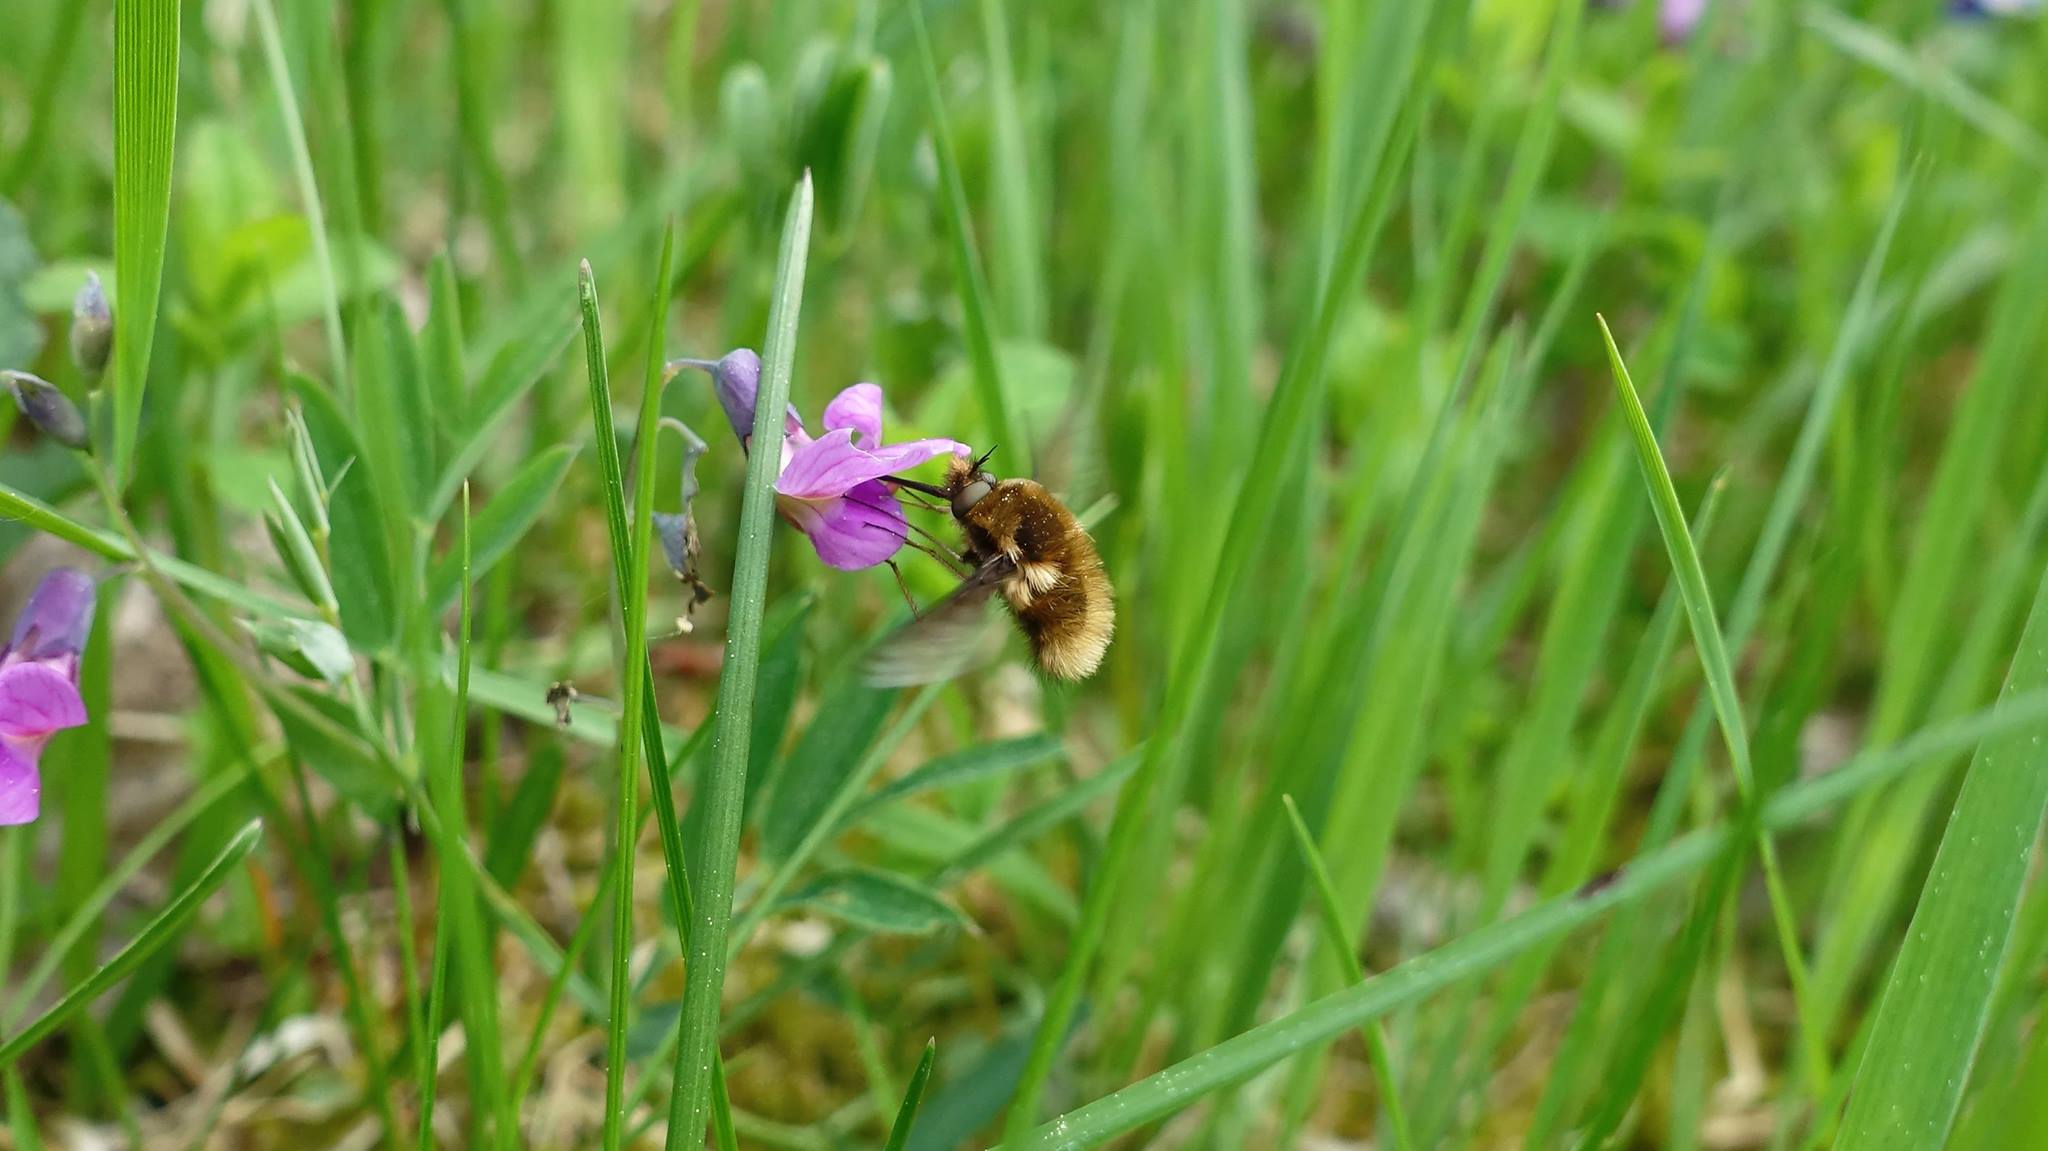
x,y
920,486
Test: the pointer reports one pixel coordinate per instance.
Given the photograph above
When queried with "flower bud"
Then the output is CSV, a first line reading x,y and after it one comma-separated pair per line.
x,y
50,410
92,329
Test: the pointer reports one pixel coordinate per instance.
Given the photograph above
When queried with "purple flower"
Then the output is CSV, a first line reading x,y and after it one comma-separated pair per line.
x,y
831,488
1995,8
39,685
1677,19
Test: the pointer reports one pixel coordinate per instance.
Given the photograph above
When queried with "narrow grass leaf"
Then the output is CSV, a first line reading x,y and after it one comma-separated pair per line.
x,y
1935,1009
1335,935
982,761
1236,1059
1296,396
724,795
971,282
514,372
85,912
825,756
160,930
875,901
146,43
1707,638
906,1115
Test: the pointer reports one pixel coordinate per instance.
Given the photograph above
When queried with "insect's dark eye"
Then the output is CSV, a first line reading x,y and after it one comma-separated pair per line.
x,y
970,496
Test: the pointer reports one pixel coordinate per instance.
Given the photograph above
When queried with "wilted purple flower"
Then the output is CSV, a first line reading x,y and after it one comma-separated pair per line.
x,y
39,685
831,488
92,329
48,408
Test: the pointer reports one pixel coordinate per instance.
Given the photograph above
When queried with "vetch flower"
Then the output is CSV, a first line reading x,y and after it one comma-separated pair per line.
x,y
39,685
831,487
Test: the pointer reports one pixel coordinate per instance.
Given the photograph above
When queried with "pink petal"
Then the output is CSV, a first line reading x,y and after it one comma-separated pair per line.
x,y
37,699
911,453
57,618
854,531
827,467
859,408
21,787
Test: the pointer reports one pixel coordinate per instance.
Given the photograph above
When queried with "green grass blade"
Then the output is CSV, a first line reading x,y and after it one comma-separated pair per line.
x,y
1295,398
1020,277
1707,638
1336,936
309,188
160,931
1480,951
1935,1007
504,521
1924,74
146,44
85,912
630,546
967,270
906,1115
724,793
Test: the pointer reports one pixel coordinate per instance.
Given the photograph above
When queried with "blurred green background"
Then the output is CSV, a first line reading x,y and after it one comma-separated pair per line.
x,y
1295,303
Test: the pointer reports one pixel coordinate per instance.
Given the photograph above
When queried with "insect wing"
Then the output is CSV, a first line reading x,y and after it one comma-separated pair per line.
x,y
950,639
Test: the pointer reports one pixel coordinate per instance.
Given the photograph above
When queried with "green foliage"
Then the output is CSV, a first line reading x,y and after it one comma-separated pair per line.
x,y
1294,304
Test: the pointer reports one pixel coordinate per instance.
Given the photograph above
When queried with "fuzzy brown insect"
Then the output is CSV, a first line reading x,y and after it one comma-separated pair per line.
x,y
1025,546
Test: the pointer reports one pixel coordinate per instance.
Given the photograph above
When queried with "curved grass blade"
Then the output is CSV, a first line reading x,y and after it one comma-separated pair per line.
x,y
160,931
87,911
1245,1055
906,1115
1295,398
1707,637
1339,939
1936,1006
724,794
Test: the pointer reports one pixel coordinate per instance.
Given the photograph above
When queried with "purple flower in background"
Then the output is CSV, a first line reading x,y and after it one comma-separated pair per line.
x,y
1995,7
39,685
1676,19
831,488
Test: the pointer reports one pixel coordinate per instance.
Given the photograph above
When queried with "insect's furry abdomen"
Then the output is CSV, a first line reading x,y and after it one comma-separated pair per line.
x,y
1059,593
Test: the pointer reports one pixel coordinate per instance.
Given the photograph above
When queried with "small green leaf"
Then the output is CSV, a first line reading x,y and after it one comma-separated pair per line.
x,y
503,522
876,901
362,572
513,373
982,761
308,647
827,753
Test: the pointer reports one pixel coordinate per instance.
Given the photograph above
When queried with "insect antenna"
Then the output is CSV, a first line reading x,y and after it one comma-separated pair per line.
x,y
983,457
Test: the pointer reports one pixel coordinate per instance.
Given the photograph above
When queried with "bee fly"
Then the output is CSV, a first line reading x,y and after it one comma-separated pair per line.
x,y
1021,543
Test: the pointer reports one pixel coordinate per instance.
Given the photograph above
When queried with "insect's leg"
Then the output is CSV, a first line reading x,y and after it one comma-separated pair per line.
x,y
905,589
939,551
947,559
